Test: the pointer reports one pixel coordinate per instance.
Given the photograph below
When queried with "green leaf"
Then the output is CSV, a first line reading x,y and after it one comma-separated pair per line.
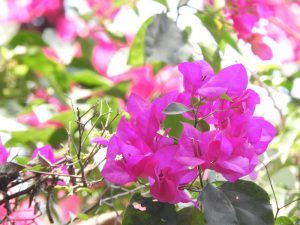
x,y
22,160
163,2
213,21
27,38
36,168
90,79
202,125
83,216
165,42
242,202
31,135
120,90
84,62
118,3
142,210
217,207
175,123
190,216
283,220
175,108
212,55
224,96
136,52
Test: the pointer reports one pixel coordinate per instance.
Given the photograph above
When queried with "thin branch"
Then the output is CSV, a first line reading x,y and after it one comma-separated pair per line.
x,y
273,191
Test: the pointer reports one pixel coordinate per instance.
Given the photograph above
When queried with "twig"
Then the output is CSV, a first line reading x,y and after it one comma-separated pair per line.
x,y
273,191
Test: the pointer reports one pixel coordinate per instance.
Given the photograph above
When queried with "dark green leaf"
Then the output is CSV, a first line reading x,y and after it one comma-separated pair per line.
x,y
242,202
165,42
136,52
175,123
202,125
175,108
217,207
190,216
147,211
212,56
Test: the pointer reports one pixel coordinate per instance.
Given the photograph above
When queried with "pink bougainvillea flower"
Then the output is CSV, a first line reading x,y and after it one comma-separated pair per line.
x,y
195,75
66,28
99,140
45,151
231,80
31,119
222,111
4,154
165,186
230,143
199,79
26,11
259,48
145,84
246,16
142,80
23,214
69,205
103,53
233,152
104,8
168,79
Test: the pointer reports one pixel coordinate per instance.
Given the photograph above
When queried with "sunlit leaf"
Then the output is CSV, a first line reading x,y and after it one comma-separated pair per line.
x,y
136,52
165,42
212,55
175,108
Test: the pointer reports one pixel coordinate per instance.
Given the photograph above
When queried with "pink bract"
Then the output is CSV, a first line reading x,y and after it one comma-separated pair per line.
x,y
234,139
4,154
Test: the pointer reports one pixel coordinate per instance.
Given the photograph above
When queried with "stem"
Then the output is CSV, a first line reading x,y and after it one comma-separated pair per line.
x,y
200,176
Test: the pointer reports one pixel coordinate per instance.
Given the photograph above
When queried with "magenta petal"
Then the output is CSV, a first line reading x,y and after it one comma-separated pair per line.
x,y
195,74
4,154
102,54
116,174
99,141
66,28
259,48
211,93
233,78
46,151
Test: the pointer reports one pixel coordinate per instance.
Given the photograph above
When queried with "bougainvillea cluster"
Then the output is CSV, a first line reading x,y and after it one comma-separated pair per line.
x,y
280,24
219,132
